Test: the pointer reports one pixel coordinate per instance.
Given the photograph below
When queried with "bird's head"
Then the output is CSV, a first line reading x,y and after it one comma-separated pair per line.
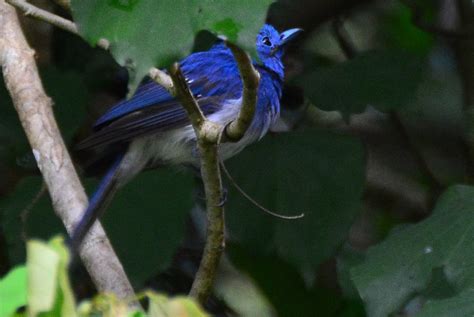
x,y
271,46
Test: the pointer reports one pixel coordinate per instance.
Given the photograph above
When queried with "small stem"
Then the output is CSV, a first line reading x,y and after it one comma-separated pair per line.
x,y
184,94
250,81
44,15
163,79
208,135
215,242
53,19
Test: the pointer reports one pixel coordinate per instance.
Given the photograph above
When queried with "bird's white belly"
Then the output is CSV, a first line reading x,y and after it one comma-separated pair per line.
x,y
178,146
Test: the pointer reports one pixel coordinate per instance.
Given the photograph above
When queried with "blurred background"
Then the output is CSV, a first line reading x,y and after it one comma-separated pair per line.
x,y
375,126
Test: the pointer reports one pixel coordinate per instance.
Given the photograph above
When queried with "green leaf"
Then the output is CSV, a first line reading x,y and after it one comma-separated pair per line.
x,y
43,266
65,303
457,306
320,174
153,33
149,212
385,80
161,306
411,259
13,291
49,291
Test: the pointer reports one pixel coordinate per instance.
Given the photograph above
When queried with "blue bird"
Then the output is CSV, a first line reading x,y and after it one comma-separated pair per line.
x,y
151,129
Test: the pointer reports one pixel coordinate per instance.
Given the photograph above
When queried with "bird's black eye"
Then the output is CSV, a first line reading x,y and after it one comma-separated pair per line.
x,y
266,41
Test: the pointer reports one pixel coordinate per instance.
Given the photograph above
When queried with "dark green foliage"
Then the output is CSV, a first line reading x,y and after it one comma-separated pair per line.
x,y
434,256
293,173
385,80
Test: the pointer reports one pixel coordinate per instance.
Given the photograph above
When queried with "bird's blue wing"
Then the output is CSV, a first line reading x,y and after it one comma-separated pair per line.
x,y
209,73
148,120
147,94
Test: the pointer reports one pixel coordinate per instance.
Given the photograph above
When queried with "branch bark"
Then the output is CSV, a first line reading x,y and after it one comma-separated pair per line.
x,y
208,139
44,15
250,80
34,108
208,135
53,19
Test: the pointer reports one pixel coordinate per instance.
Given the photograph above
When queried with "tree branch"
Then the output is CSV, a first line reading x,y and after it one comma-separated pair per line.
x,y
67,194
208,139
163,79
43,15
208,134
250,80
53,19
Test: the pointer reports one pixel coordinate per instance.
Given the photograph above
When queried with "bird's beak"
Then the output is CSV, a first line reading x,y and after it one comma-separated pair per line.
x,y
289,35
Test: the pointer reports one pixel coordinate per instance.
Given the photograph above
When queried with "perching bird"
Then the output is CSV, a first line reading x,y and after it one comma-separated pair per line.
x,y
152,129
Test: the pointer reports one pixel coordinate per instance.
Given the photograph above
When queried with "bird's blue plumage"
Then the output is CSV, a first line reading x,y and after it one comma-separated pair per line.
x,y
154,129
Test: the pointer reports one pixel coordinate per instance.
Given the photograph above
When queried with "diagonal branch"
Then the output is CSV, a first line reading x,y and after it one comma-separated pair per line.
x,y
53,19
184,94
208,135
250,80
44,15
34,109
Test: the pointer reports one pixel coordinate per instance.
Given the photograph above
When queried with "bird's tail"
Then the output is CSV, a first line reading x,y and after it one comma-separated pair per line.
x,y
97,204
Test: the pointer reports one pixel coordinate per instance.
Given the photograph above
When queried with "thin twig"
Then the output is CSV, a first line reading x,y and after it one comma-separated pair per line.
x,y
253,201
185,96
53,19
208,139
34,108
250,80
208,135
43,15
163,79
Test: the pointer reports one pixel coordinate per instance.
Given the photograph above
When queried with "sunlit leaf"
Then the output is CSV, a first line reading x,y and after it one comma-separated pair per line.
x,y
13,291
